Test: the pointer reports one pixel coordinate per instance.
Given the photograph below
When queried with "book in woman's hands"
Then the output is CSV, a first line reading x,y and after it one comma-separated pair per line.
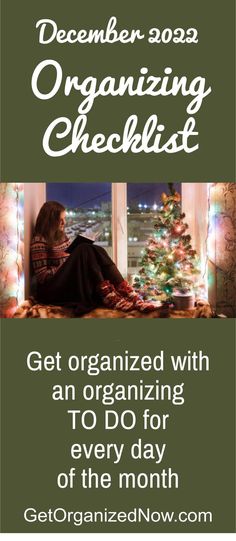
x,y
78,240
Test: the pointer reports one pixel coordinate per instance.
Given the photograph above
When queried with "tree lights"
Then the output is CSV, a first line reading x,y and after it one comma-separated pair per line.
x,y
169,263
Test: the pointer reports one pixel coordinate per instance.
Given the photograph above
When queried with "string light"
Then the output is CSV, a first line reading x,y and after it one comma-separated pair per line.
x,y
215,212
163,276
14,200
169,252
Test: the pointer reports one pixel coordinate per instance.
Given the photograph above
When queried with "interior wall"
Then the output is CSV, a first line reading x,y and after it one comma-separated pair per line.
x,y
195,206
211,214
35,196
222,248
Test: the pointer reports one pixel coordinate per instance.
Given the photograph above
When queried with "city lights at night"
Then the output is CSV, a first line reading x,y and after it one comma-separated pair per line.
x,y
89,208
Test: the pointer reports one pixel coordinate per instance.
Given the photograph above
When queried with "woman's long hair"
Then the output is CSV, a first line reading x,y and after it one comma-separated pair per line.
x,y
48,220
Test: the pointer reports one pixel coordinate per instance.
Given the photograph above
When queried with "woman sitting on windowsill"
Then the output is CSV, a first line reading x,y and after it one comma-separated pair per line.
x,y
87,276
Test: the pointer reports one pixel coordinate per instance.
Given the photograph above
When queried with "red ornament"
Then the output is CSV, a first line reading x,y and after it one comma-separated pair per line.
x,y
179,254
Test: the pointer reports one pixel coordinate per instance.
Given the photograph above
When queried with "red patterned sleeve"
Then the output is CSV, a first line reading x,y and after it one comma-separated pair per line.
x,y
40,260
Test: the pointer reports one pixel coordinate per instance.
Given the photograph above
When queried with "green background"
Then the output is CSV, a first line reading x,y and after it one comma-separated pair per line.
x,y
25,118
37,435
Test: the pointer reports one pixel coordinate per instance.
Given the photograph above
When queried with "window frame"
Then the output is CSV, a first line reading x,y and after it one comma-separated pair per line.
x,y
194,197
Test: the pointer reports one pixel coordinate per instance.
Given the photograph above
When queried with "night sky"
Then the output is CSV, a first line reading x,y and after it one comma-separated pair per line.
x,y
87,195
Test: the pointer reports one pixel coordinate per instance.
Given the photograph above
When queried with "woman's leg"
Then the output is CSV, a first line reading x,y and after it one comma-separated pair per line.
x,y
75,281
102,270
81,279
108,267
111,273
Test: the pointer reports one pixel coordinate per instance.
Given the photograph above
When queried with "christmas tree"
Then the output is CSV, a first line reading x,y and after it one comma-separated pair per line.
x,y
169,262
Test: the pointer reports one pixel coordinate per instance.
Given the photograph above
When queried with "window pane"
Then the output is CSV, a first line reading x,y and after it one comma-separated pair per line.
x,y
143,201
88,209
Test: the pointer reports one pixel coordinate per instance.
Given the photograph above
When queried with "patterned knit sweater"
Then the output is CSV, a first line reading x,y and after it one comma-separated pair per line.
x,y
47,259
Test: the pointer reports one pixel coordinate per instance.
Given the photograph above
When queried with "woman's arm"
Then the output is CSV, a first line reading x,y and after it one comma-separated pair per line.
x,y
39,256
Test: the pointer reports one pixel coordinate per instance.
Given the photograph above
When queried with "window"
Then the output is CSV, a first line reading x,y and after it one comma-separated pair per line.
x,y
88,209
143,202
195,204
